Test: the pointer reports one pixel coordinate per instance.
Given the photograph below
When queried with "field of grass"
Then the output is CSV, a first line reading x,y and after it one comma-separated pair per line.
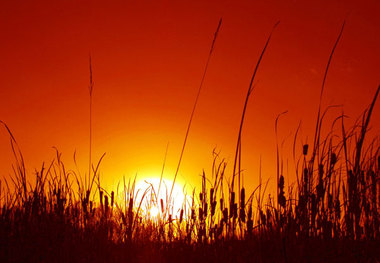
x,y
331,214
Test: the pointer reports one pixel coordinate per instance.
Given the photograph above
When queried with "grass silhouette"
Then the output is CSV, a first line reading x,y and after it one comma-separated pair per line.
x,y
331,215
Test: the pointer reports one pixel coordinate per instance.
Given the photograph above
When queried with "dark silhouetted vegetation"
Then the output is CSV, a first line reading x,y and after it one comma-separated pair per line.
x,y
330,214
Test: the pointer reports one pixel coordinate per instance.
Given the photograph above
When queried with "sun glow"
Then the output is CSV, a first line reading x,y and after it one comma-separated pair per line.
x,y
154,212
154,195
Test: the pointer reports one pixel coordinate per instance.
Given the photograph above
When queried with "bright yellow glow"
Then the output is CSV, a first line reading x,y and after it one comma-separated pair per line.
x,y
156,203
154,212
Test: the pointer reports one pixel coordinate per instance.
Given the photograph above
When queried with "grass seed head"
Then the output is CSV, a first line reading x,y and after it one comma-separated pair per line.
x,y
225,215
305,149
106,205
181,216
242,214
250,212
162,205
211,195
232,204
101,198
242,198
213,206
205,210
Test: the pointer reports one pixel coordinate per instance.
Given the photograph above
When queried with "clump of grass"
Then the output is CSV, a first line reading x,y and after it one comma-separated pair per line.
x,y
340,205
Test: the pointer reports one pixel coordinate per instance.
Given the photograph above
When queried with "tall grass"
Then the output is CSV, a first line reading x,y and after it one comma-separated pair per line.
x,y
339,205
195,105
331,213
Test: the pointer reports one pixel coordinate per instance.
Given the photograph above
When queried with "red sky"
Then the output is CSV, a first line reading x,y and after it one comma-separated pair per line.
x,y
148,59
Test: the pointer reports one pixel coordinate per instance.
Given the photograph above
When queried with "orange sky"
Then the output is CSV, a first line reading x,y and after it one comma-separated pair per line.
x,y
148,59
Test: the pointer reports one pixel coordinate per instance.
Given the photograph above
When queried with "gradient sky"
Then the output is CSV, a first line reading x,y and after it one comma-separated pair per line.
x,y
148,58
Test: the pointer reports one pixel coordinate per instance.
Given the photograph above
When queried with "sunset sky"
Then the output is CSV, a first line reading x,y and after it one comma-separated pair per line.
x,y
148,58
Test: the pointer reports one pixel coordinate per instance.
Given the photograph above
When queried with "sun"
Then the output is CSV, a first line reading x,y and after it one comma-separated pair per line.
x,y
154,212
154,195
